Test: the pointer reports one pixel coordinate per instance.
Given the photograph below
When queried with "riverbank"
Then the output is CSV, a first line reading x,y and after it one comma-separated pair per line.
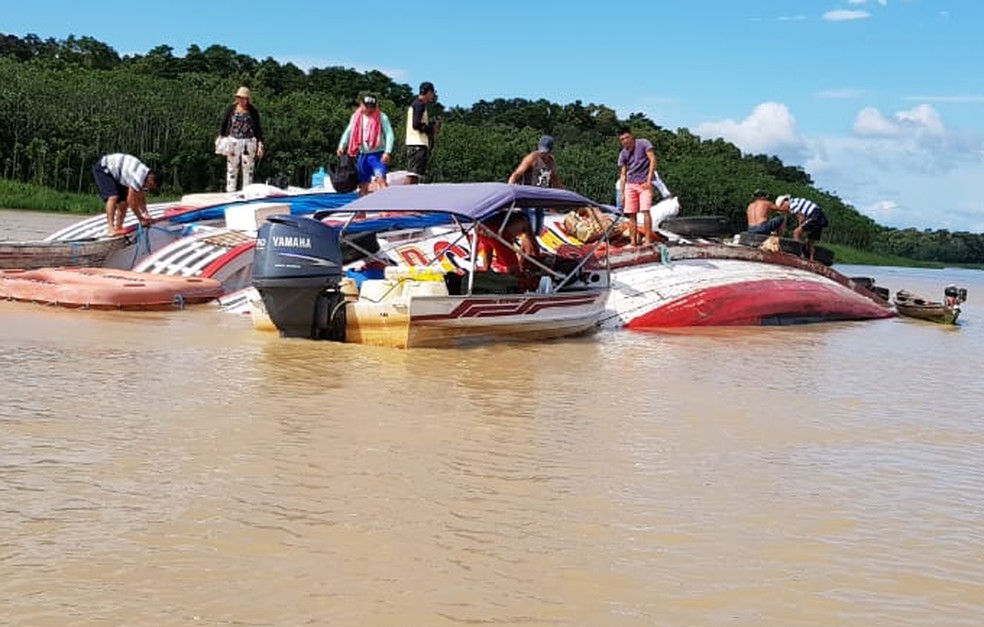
x,y
17,195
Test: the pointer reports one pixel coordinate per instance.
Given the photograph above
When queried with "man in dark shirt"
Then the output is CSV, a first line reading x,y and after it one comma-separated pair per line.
x,y
420,132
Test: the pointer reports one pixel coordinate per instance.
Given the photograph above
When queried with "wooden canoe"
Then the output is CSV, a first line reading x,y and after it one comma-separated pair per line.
x,y
915,306
86,252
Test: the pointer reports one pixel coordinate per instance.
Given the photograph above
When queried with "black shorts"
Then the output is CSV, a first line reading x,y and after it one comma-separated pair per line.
x,y
107,185
417,159
814,227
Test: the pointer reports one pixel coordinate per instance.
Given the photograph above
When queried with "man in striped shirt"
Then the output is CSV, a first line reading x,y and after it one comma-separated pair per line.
x,y
123,181
810,219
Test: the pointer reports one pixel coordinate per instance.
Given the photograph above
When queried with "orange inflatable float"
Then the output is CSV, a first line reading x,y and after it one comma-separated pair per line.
x,y
106,288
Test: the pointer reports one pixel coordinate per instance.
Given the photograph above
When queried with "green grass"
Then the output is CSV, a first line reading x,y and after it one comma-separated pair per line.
x,y
16,195
853,256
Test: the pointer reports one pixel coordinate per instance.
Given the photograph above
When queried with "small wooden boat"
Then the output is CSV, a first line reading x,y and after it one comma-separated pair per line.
x,y
90,251
105,288
942,312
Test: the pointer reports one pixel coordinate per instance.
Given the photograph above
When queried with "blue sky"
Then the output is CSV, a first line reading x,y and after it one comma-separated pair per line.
x,y
881,101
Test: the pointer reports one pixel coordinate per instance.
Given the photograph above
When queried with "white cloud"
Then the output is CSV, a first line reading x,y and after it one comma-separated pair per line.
x,y
871,123
922,120
955,99
904,169
844,15
792,18
770,128
840,94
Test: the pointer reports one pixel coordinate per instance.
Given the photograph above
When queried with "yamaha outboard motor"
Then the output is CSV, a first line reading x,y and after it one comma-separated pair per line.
x,y
297,270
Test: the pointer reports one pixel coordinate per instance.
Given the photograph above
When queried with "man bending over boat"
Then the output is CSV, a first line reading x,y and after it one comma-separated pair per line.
x,y
758,216
811,220
538,168
123,181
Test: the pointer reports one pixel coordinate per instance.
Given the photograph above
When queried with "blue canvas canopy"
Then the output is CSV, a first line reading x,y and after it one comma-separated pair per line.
x,y
300,204
470,201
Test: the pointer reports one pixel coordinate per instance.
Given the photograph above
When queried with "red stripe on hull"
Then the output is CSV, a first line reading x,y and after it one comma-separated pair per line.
x,y
762,302
508,307
227,257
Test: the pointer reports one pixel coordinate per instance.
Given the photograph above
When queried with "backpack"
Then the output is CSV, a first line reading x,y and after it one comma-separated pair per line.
x,y
345,176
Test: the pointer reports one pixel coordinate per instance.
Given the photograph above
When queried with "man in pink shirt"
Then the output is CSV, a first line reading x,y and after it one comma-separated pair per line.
x,y
637,162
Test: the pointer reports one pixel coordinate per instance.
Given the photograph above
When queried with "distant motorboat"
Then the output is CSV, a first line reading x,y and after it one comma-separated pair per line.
x,y
941,312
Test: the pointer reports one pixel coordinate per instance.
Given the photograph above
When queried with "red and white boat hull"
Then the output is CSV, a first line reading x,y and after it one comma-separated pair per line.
x,y
721,285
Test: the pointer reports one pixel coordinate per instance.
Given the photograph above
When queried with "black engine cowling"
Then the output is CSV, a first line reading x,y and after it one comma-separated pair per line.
x,y
297,270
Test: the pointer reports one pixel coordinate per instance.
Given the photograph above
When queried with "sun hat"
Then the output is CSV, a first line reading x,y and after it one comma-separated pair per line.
x,y
782,199
242,92
369,99
546,144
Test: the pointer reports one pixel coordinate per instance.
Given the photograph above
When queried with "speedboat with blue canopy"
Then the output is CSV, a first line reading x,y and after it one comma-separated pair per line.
x,y
442,265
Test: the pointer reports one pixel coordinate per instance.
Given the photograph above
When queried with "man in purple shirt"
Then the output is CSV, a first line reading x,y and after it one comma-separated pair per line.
x,y
637,162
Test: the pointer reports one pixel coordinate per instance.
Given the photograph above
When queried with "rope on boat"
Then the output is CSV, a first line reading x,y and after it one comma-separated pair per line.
x,y
664,254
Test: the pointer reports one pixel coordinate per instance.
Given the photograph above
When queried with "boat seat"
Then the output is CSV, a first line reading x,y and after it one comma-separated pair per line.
x,y
484,283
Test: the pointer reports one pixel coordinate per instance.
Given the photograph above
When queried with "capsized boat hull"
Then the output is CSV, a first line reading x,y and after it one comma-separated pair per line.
x,y
105,288
223,254
725,285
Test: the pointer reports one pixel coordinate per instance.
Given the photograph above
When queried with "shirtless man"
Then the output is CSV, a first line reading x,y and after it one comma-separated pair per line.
x,y
758,216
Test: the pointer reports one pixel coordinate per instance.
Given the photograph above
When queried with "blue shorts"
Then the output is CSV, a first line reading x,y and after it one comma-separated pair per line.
x,y
370,165
767,227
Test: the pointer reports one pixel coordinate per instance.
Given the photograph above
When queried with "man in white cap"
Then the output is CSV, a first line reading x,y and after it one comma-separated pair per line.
x,y
810,219
538,168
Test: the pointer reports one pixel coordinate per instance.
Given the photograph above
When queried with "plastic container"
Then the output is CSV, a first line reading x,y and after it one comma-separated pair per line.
x,y
417,273
318,178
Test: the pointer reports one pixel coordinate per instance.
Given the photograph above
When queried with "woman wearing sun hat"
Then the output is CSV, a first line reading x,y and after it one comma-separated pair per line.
x,y
240,139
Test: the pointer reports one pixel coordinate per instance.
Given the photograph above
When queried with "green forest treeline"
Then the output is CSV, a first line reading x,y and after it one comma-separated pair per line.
x,y
63,103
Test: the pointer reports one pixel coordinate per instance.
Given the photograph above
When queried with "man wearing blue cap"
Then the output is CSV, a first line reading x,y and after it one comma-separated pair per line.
x,y
539,168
